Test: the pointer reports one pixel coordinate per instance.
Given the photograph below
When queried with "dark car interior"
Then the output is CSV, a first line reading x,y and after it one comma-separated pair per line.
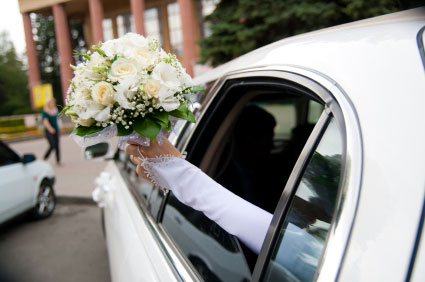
x,y
252,138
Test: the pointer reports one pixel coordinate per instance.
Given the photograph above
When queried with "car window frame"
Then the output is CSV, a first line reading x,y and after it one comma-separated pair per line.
x,y
335,101
339,105
420,38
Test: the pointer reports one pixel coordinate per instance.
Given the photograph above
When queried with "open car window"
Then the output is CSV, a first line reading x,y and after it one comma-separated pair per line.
x,y
249,143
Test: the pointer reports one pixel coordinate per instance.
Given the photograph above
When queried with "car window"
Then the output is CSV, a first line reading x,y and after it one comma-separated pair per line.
x,y
7,156
314,111
142,189
273,120
214,253
302,238
285,116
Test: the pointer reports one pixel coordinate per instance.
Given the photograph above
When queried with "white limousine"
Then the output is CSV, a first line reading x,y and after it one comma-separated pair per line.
x,y
343,173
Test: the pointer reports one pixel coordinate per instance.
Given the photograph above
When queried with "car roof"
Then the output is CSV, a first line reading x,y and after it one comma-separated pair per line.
x,y
353,44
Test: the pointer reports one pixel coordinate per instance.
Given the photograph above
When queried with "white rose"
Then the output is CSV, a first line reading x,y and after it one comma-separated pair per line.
x,y
86,109
85,74
152,87
186,79
103,115
134,39
125,90
122,68
81,94
103,93
167,100
111,47
144,57
167,76
96,59
85,122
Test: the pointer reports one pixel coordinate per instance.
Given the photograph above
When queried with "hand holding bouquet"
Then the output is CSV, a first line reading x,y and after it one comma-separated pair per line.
x,y
128,86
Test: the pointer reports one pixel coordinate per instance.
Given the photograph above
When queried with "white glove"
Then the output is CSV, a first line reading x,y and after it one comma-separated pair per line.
x,y
194,188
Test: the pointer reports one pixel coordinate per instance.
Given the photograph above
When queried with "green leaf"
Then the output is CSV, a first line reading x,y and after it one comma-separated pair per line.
x,y
184,113
161,118
97,49
147,127
64,109
195,89
122,131
190,117
83,130
168,126
71,113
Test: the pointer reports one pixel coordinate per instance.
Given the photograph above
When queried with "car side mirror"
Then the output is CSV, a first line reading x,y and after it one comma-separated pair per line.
x,y
96,151
27,158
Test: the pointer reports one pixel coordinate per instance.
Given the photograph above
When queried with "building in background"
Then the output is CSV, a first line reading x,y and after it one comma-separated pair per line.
x,y
176,24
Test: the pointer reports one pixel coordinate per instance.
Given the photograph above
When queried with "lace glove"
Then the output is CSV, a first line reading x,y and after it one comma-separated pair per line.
x,y
194,188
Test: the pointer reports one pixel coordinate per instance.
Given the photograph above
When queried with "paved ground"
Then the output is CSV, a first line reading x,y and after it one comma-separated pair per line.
x,y
75,177
67,247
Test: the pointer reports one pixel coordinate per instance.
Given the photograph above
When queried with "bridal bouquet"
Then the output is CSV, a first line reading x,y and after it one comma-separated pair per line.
x,y
126,87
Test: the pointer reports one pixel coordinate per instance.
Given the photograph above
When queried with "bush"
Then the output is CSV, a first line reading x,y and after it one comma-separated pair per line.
x,y
12,122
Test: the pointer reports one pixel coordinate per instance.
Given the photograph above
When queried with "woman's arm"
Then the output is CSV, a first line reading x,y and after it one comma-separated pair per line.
x,y
49,127
194,188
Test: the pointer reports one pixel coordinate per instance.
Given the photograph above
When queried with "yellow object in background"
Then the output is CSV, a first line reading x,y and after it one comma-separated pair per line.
x,y
41,93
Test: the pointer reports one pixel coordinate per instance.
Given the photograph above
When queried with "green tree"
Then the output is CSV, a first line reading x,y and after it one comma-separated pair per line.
x,y
239,26
47,52
14,95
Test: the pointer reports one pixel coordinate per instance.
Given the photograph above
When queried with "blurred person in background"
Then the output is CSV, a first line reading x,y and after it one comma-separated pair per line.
x,y
49,117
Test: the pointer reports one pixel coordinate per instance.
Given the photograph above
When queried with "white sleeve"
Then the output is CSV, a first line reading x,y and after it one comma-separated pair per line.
x,y
194,188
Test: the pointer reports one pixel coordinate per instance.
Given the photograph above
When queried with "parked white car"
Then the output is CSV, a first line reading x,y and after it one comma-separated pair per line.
x,y
26,184
345,178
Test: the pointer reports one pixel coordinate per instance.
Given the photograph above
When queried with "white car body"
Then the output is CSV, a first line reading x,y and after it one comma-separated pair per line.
x,y
374,70
19,186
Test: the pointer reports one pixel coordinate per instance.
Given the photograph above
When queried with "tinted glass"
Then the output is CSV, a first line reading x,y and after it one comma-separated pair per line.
x,y
7,156
155,200
275,123
214,253
140,187
285,115
302,238
314,111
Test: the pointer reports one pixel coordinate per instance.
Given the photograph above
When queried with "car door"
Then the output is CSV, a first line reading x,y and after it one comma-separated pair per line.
x,y
298,106
186,245
15,184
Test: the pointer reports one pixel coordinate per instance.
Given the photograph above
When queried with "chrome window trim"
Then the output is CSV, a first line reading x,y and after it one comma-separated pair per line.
x,y
420,38
287,195
337,102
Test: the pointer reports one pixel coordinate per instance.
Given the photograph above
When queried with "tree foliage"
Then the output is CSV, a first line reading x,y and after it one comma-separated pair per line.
x,y
14,95
47,52
239,26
